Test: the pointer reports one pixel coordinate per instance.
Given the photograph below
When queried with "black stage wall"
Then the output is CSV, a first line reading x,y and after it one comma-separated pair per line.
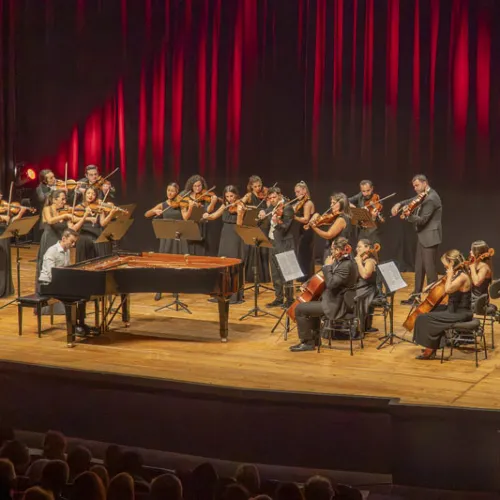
x,y
326,91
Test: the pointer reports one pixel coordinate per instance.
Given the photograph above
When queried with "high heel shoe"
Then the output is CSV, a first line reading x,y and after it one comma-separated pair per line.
x,y
427,354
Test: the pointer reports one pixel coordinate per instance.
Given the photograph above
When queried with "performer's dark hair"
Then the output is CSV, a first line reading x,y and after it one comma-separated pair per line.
x,y
70,232
193,180
173,184
366,181
230,189
54,195
91,167
42,176
272,190
343,202
251,180
340,243
420,177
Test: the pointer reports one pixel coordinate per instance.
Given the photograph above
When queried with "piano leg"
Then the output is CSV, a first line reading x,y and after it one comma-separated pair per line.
x,y
70,308
223,318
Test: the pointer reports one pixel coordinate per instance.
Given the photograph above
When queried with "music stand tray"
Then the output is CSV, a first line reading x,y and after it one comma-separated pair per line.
x,y
362,217
250,217
115,231
196,214
176,229
130,209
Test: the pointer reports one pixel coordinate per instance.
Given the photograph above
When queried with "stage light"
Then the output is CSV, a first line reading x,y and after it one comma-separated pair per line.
x,y
24,174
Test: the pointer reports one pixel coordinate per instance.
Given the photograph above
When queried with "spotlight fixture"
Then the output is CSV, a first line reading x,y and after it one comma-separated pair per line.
x,y
24,173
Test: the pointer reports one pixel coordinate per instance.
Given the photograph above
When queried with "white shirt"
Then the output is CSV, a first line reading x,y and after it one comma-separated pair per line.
x,y
55,256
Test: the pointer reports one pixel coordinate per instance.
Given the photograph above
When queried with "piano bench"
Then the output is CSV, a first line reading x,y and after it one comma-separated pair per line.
x,y
35,301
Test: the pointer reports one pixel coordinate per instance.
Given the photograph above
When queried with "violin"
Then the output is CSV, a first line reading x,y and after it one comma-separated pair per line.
x,y
77,211
15,207
69,184
178,202
233,208
300,204
323,220
407,210
371,253
205,196
262,194
101,206
374,206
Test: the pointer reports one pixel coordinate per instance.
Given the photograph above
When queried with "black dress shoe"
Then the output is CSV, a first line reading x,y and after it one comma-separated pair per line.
x,y
275,303
408,302
302,347
371,330
81,330
158,296
287,304
212,299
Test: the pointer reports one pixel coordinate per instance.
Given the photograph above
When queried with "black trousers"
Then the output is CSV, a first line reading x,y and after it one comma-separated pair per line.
x,y
308,317
282,288
425,265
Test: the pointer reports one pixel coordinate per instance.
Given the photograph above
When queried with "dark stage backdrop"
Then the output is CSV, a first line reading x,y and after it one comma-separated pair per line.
x,y
325,91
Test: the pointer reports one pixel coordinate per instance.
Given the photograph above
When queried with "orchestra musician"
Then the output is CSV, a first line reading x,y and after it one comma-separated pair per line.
x,y
358,201
278,220
341,226
339,272
46,185
426,220
92,176
481,270
366,287
256,196
431,327
304,246
6,282
197,190
231,245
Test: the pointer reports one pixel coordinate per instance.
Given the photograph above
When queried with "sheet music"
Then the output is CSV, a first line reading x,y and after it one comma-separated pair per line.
x,y
392,276
289,265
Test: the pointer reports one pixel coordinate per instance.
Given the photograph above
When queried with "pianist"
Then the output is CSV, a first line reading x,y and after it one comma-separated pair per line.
x,y
58,255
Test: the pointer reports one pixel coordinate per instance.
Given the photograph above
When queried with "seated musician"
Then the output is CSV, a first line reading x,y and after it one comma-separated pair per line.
x,y
58,255
366,289
337,300
431,327
481,271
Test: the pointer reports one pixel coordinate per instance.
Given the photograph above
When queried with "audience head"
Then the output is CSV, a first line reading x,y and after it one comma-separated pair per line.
x,y
288,491
102,472
87,486
113,459
235,492
204,481
166,487
79,460
121,487
55,475
54,445
37,493
132,463
318,488
7,477
17,453
35,470
248,476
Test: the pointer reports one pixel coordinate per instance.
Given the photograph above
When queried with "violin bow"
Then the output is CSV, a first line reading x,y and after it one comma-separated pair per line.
x,y
208,190
10,198
112,173
182,194
66,176
383,199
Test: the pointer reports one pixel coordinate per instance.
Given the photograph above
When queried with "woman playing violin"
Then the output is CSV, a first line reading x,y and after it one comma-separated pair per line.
x,y
196,189
366,288
431,327
231,245
481,270
304,240
341,225
6,282
256,195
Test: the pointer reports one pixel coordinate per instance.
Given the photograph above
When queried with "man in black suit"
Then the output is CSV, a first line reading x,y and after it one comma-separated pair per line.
x,y
279,230
340,274
358,201
427,222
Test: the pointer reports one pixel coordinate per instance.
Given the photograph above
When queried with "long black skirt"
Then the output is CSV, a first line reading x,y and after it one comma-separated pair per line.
x,y
364,309
431,327
6,282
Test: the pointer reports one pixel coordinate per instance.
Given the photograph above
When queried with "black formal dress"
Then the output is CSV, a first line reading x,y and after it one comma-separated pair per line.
x,y
431,327
347,233
336,301
86,247
359,233
304,247
477,291
171,245
6,282
231,245
262,254
366,291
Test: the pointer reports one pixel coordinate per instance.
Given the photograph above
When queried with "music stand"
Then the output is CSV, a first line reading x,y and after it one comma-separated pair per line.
x,y
129,208
255,238
16,229
290,269
250,217
393,281
114,232
172,229
362,217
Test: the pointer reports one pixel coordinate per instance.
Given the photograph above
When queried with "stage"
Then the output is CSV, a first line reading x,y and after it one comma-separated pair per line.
x,y
170,345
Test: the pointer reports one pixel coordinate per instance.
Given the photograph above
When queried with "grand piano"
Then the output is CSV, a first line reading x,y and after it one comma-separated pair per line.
x,y
126,273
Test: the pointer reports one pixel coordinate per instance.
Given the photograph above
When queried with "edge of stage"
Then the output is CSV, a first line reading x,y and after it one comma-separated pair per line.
x,y
419,445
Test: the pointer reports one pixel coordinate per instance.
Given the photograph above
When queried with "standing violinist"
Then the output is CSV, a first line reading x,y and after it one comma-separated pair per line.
x,y
431,327
45,187
92,177
256,196
359,201
339,272
231,245
304,245
196,190
173,208
278,220
426,219
341,225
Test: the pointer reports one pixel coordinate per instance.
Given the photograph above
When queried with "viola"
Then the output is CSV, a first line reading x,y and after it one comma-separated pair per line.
x,y
483,256
407,210
323,220
374,206
371,253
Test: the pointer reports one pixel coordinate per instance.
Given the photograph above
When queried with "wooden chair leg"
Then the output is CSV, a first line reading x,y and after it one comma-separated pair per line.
x,y
20,318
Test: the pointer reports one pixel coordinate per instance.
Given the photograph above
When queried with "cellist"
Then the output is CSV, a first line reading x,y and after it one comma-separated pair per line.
x,y
431,327
337,299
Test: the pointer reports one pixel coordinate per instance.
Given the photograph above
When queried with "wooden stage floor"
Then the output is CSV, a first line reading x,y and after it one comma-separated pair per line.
x,y
179,346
